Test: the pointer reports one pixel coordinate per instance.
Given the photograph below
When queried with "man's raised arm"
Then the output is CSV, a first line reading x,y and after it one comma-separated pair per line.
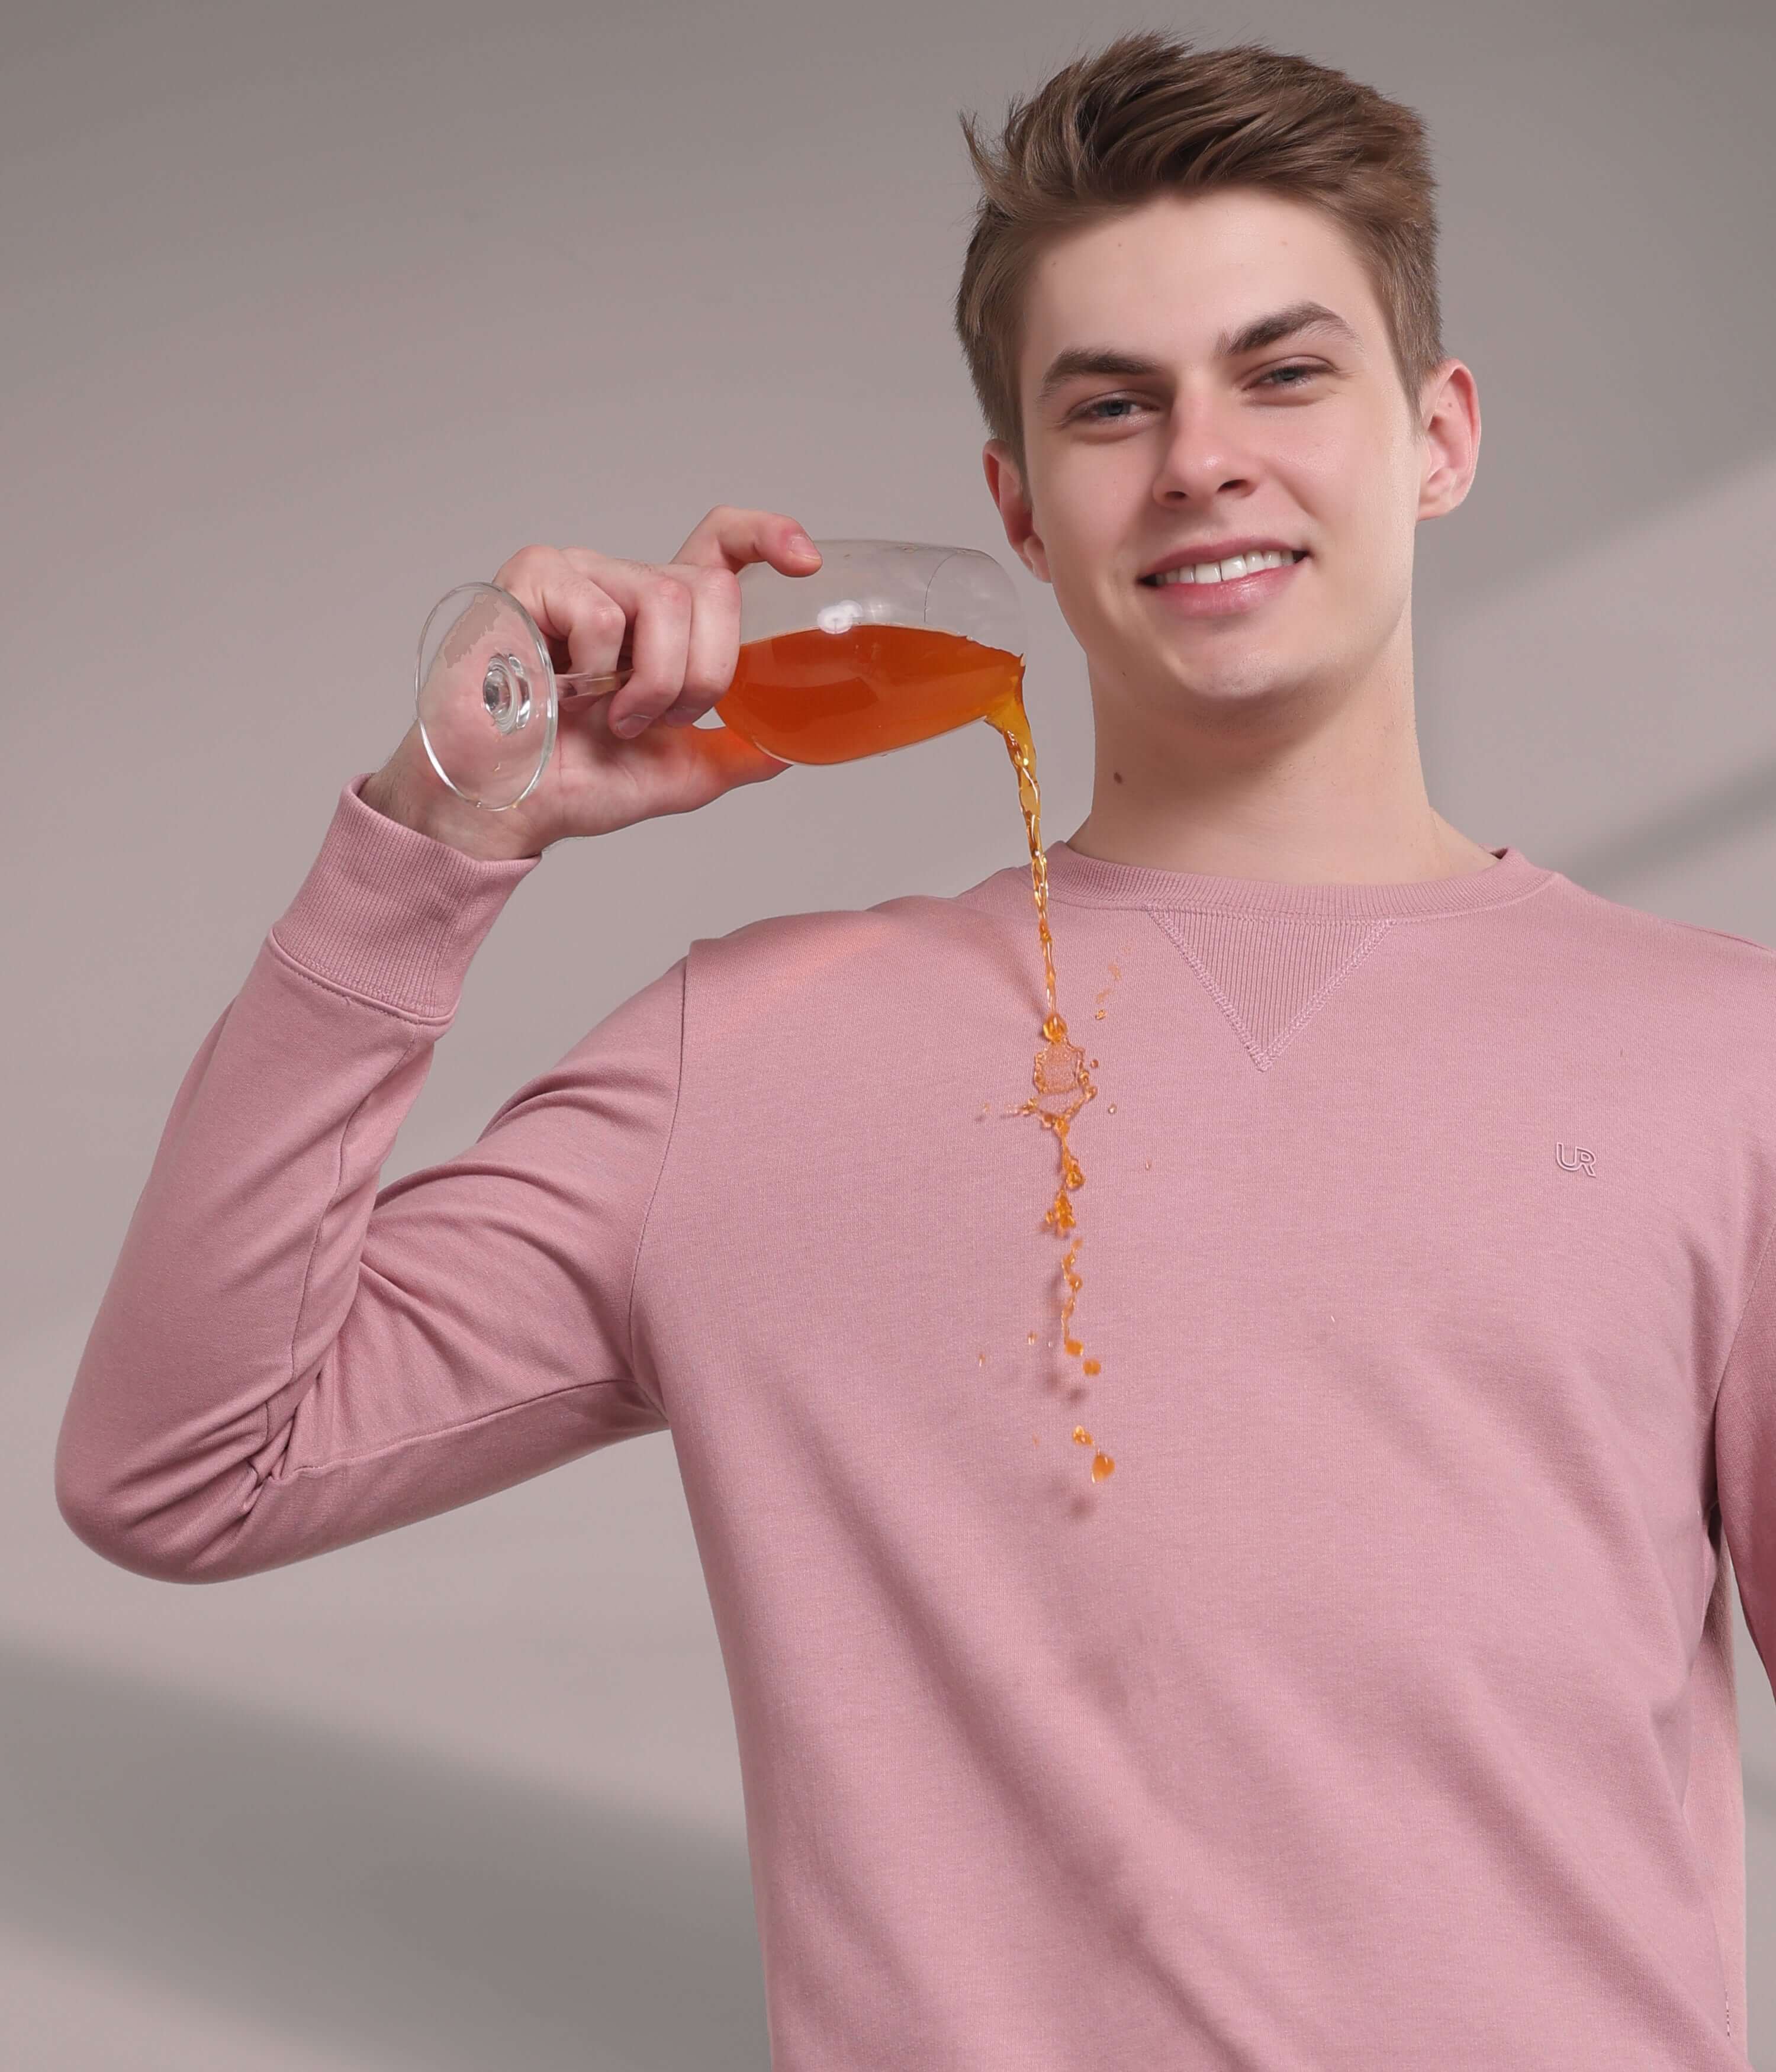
x,y
287,1360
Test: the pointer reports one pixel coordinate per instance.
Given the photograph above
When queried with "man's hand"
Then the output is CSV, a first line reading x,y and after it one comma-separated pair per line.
x,y
638,753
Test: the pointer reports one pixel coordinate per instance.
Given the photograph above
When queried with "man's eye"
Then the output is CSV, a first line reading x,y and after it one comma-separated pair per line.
x,y
1296,375
1108,403
1295,367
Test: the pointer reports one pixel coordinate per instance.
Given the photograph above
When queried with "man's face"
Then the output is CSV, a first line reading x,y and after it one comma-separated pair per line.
x,y
1304,440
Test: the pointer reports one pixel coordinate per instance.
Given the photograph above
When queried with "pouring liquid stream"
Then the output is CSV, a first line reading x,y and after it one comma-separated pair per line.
x,y
818,697
1060,1078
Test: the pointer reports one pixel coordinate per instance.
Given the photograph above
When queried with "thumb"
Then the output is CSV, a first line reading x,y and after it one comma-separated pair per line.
x,y
729,758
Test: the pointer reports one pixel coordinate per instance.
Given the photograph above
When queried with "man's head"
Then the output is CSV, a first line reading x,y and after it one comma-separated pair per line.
x,y
1149,211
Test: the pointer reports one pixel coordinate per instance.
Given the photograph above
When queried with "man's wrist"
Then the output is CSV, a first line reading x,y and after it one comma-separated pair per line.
x,y
440,816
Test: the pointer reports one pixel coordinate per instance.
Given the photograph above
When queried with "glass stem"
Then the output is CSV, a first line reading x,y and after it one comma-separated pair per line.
x,y
583,684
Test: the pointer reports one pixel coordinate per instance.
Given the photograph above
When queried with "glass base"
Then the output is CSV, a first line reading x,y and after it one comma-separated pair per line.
x,y
486,696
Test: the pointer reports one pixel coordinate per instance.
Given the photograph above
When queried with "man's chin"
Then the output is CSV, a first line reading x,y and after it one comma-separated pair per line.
x,y
1258,711
1224,683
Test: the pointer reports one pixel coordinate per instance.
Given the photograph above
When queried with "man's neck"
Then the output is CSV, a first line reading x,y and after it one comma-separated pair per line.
x,y
1345,803
1439,850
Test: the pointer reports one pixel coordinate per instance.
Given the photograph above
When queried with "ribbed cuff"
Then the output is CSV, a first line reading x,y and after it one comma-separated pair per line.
x,y
391,913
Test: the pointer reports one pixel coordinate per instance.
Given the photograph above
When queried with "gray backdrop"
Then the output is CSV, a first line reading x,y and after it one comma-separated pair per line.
x,y
316,310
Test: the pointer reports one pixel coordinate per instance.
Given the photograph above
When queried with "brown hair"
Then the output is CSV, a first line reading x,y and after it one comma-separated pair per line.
x,y
1150,115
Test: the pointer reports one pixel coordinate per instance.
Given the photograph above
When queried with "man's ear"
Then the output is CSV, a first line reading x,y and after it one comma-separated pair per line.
x,y
1450,446
1005,484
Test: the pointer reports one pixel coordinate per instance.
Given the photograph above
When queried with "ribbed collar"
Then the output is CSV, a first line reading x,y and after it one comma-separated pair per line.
x,y
1089,881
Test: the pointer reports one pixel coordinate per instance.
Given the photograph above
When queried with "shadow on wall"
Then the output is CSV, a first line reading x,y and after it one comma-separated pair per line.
x,y
1692,827
1613,712
364,1896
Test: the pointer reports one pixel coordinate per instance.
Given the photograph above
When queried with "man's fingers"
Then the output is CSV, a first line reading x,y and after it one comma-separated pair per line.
x,y
659,633
714,647
731,538
678,622
728,540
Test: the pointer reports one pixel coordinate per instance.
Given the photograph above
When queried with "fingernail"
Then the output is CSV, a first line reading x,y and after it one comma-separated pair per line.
x,y
629,725
800,544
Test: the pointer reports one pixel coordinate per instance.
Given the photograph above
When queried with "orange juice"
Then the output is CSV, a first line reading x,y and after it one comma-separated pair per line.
x,y
811,697
814,696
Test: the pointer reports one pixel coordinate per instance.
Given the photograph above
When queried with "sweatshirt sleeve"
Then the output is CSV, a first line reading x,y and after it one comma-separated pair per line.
x,y
286,1360
1744,1458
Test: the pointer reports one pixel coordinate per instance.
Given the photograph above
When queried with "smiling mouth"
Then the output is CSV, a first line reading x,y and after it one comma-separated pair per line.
x,y
1227,571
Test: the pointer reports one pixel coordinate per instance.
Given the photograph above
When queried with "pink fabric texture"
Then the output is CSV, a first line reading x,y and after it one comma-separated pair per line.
x,y
1376,1713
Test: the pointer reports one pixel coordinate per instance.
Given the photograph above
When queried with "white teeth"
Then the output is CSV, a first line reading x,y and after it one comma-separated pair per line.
x,y
1227,571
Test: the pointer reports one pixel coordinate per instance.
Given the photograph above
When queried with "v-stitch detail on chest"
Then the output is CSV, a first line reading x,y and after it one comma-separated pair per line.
x,y
1269,997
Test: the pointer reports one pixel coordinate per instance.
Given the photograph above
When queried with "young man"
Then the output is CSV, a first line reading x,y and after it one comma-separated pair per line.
x,y
1378,1711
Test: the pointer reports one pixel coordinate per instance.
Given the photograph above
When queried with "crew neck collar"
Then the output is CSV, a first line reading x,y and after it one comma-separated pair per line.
x,y
1089,881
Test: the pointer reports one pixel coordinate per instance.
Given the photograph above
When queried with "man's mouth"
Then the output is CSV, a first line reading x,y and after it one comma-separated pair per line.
x,y
1230,570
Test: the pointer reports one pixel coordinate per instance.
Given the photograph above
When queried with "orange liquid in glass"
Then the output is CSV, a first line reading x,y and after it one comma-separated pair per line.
x,y
811,697
814,696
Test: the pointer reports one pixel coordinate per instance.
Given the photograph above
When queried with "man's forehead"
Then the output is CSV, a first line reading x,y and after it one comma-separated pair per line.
x,y
1235,222
1173,247
1146,297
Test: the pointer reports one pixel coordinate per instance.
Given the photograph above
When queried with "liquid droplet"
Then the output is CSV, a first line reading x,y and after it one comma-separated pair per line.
x,y
1081,1437
1093,1367
1102,1465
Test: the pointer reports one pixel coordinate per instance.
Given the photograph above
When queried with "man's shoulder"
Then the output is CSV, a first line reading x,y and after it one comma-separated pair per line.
x,y
927,935
1713,992
1661,939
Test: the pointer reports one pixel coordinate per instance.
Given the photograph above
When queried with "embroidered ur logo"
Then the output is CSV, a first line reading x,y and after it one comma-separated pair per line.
x,y
1581,1161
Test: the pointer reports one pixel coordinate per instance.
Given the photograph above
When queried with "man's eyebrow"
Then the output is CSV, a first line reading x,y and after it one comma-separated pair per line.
x,y
1286,324
1106,360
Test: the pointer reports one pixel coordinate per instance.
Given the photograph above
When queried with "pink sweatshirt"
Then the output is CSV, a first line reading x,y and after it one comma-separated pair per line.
x,y
1375,1713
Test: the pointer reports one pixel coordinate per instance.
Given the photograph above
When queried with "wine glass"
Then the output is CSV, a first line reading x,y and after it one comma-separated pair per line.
x,y
887,643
